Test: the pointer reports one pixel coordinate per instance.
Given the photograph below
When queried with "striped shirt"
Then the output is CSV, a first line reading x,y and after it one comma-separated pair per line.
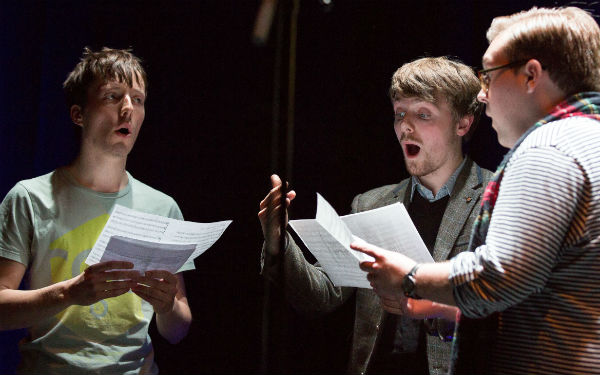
x,y
540,266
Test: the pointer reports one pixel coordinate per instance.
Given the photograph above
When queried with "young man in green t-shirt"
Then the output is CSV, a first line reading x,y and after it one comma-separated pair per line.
x,y
92,319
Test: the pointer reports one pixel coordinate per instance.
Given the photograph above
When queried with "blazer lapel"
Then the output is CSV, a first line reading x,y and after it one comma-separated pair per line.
x,y
465,194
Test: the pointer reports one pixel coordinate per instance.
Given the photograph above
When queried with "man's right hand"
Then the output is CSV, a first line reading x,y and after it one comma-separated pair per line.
x,y
270,214
100,281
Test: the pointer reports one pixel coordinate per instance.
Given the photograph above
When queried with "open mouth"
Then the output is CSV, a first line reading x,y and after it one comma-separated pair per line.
x,y
124,131
412,150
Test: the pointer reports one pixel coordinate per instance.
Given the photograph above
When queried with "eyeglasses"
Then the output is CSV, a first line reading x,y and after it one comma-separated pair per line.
x,y
484,77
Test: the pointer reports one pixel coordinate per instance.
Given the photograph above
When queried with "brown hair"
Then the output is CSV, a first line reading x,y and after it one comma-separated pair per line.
x,y
431,78
106,64
566,41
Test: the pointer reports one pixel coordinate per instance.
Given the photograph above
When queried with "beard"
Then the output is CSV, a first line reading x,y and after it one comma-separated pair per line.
x,y
423,165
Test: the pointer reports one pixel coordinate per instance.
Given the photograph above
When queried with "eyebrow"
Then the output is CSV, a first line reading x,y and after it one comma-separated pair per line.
x,y
116,85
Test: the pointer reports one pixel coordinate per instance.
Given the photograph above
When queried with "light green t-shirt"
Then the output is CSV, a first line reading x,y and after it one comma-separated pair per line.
x,y
50,223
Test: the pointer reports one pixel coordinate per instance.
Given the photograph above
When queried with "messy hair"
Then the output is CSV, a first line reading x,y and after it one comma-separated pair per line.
x,y
106,64
433,78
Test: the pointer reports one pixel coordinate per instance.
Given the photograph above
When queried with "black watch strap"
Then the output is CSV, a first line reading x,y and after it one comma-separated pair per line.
x,y
408,283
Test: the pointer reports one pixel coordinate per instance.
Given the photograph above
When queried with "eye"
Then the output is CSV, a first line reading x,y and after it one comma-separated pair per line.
x,y
424,116
399,117
138,100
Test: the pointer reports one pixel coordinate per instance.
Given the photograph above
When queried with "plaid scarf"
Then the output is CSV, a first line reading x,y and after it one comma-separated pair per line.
x,y
474,339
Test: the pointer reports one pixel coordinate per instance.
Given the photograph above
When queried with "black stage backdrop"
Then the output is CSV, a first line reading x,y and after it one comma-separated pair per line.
x,y
206,137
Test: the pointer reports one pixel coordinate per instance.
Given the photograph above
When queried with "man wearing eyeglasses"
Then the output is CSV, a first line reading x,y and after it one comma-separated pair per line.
x,y
535,263
435,109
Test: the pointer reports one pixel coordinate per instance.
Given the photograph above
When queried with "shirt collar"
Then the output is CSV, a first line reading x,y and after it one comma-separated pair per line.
x,y
446,190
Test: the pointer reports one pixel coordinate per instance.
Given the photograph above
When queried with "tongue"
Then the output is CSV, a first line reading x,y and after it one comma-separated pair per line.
x,y
412,150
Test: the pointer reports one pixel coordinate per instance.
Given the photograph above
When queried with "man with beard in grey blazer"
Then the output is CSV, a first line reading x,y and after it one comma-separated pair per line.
x,y
435,112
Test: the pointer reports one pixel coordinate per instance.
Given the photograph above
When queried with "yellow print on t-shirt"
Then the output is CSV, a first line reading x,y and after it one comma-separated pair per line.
x,y
107,318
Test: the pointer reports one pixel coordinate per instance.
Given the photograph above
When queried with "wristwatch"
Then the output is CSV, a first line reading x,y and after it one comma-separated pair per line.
x,y
408,283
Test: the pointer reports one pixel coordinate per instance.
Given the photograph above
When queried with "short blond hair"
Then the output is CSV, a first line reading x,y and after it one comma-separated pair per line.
x,y
432,78
566,41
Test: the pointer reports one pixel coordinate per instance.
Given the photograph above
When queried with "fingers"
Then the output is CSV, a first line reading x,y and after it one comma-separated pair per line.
x,y
116,285
162,274
367,266
391,307
275,181
368,249
113,293
160,293
274,194
111,275
110,265
162,281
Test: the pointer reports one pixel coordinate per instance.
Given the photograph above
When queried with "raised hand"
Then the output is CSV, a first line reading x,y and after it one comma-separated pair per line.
x,y
101,281
158,288
270,212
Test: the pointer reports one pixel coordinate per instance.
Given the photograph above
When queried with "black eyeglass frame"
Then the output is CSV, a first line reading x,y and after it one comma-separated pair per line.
x,y
484,79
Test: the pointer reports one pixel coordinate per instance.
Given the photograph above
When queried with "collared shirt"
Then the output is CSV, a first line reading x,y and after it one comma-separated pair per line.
x,y
444,191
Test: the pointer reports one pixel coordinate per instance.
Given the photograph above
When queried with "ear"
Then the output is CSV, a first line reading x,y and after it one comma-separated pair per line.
x,y
76,113
533,72
464,125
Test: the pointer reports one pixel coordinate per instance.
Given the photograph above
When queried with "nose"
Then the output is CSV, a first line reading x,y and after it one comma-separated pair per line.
x,y
127,106
406,126
482,96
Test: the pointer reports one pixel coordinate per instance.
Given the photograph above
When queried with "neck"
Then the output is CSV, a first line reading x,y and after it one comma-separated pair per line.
x,y
438,178
102,174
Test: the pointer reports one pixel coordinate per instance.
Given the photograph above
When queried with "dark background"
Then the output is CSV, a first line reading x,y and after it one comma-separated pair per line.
x,y
206,139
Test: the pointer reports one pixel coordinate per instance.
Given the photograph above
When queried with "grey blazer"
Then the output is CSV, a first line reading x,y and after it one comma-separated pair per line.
x,y
309,290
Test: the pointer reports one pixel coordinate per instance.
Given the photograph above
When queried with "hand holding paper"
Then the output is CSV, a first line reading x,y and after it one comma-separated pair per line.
x,y
328,238
151,241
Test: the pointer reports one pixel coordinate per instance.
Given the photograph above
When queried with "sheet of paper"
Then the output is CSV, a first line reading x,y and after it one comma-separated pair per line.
x,y
331,221
388,227
147,255
339,263
132,224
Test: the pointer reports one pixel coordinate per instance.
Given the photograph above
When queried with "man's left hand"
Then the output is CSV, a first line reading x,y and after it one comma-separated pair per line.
x,y
158,288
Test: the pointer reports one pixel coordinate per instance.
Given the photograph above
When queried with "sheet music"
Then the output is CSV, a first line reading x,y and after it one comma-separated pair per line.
x,y
339,263
388,227
331,221
131,224
147,255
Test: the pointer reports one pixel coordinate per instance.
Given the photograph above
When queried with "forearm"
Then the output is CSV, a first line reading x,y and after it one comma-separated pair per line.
x,y
174,325
23,308
447,312
432,283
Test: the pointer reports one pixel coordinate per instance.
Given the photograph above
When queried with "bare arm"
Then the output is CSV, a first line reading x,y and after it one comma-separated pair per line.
x,y
418,309
389,268
23,308
166,293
